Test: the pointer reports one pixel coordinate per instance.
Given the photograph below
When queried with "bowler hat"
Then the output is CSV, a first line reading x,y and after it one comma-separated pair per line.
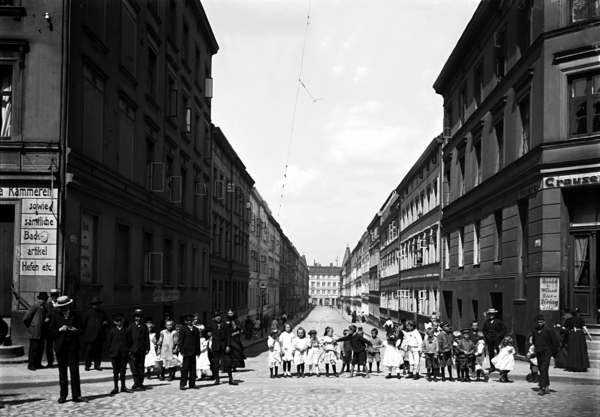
x,y
43,296
444,324
138,312
492,311
54,291
215,314
96,300
63,301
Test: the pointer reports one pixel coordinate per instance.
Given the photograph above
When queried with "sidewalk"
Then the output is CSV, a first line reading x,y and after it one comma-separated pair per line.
x,y
14,372
592,377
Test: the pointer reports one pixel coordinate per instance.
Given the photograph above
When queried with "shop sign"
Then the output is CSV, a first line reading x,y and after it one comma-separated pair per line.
x,y
529,190
162,296
549,289
575,180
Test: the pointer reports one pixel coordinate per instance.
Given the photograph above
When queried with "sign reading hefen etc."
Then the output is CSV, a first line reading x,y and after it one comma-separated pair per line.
x,y
549,291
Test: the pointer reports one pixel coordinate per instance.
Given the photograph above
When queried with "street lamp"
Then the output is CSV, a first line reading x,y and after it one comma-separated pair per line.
x,y
263,288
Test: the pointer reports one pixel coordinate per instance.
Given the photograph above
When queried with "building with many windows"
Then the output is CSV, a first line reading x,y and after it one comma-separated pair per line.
x,y
324,285
520,167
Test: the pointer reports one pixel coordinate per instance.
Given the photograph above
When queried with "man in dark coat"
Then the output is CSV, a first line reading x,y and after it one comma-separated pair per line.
x,y
546,344
493,331
51,309
95,323
189,347
65,328
221,340
118,353
34,320
137,341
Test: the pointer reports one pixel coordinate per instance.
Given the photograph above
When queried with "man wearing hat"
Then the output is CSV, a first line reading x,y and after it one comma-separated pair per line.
x,y
494,331
118,353
137,341
34,320
95,323
221,340
65,328
50,308
189,347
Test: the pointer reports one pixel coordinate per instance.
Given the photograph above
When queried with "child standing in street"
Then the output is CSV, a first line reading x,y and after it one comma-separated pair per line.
x,y
413,346
287,347
456,337
533,376
373,352
203,364
274,359
151,358
504,362
314,351
346,354
465,350
392,358
301,346
166,346
480,357
118,353
431,348
331,356
445,350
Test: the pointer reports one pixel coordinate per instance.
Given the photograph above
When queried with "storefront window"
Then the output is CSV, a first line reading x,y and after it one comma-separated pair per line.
x,y
582,261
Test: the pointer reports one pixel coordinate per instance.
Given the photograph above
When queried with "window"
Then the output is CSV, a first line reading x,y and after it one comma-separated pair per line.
x,y
584,9
584,96
197,65
478,84
171,110
500,54
152,80
152,260
172,20
168,261
6,89
462,105
461,247
448,121
499,157
498,235
524,111
447,186
186,116
123,258
524,21
126,139
128,40
185,43
203,268
435,192
523,242
478,168
181,263
198,131
93,115
476,242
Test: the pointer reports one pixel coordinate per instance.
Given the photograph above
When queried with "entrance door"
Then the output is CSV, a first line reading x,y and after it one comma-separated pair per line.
x,y
585,274
7,251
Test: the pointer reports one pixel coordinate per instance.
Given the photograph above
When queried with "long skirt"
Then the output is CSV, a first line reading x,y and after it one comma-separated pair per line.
x,y
577,357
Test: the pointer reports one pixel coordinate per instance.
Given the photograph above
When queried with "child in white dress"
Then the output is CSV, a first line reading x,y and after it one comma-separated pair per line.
x,y
314,351
274,359
412,344
301,346
287,348
391,355
151,357
331,355
505,360
203,361
480,357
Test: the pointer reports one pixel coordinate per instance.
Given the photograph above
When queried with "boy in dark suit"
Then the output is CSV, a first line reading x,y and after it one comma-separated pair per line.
x,y
65,328
189,346
118,353
221,340
137,341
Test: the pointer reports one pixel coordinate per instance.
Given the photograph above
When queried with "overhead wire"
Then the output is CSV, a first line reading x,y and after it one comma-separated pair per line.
x,y
287,161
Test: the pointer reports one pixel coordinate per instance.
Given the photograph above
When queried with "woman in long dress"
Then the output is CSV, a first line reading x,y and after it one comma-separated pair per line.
x,y
235,358
577,357
563,334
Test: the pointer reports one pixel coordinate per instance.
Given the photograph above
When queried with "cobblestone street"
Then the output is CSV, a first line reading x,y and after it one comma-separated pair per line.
x,y
257,394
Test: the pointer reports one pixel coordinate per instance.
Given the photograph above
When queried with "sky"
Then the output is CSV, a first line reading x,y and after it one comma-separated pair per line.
x,y
361,116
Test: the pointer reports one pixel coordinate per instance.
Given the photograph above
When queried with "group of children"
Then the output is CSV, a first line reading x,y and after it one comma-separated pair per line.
x,y
403,349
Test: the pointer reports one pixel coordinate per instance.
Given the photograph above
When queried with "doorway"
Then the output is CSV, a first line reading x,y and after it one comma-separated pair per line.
x,y
7,252
585,274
